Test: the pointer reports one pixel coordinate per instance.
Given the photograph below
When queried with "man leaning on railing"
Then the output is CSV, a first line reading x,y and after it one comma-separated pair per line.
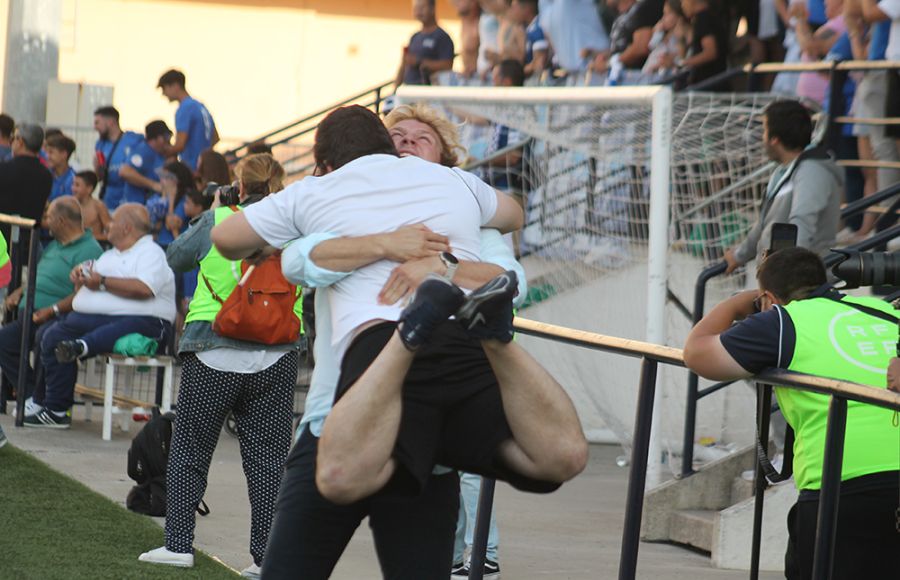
x,y
796,321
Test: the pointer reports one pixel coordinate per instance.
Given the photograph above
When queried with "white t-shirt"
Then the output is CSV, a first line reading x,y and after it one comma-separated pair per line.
x,y
892,9
371,195
145,261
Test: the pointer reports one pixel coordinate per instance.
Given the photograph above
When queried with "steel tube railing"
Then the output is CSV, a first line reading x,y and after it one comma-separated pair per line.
x,y
652,354
482,529
763,417
829,495
27,311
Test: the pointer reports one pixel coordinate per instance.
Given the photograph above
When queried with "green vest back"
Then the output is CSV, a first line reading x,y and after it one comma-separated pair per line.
x,y
838,341
223,275
4,251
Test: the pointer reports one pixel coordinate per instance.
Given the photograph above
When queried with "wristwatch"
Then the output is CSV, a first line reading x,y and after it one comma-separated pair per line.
x,y
451,263
102,286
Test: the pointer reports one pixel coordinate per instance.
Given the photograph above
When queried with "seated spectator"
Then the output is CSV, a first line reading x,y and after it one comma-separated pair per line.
x,y
574,31
7,126
429,51
536,45
708,51
53,291
24,181
213,167
505,172
112,151
128,289
815,44
94,214
59,150
140,171
669,41
630,35
469,13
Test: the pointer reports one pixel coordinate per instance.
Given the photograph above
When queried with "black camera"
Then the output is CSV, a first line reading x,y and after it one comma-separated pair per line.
x,y
228,194
867,269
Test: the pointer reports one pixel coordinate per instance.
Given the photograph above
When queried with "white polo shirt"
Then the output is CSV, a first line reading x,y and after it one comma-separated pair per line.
x,y
371,195
146,261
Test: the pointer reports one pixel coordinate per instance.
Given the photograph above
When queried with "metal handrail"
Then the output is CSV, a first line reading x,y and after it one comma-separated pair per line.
x,y
652,354
18,247
377,89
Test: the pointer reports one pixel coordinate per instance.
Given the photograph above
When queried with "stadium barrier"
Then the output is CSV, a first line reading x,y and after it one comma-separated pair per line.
x,y
837,71
651,356
22,255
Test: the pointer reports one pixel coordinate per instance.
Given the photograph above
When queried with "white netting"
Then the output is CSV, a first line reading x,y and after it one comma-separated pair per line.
x,y
584,175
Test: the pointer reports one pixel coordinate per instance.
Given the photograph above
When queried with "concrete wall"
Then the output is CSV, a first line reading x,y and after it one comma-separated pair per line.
x,y
256,64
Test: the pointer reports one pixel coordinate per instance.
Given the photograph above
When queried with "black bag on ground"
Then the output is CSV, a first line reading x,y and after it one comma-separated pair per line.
x,y
148,458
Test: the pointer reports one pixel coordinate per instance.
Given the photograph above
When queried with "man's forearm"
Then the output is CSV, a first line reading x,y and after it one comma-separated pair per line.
x,y
348,254
130,175
471,275
128,288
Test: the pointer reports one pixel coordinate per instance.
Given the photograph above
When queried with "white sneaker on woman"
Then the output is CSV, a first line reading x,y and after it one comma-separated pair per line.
x,y
163,556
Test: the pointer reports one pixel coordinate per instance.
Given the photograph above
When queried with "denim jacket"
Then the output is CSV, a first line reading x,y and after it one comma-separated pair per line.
x,y
183,255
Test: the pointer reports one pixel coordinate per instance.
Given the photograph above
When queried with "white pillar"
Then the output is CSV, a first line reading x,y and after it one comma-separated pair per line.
x,y
32,57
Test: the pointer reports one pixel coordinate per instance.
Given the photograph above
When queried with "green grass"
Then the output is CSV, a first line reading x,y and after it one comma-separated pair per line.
x,y
53,527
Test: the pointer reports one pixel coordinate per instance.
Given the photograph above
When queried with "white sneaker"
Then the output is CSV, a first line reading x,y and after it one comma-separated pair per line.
x,y
252,571
163,556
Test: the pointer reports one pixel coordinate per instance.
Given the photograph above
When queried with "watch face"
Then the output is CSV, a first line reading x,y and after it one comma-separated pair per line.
x,y
449,258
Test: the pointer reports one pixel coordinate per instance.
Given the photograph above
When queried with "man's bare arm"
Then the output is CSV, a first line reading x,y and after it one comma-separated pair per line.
x,y
407,243
235,239
703,351
509,217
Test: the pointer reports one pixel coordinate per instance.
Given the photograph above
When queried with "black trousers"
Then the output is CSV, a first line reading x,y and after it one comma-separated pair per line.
x,y
867,543
413,536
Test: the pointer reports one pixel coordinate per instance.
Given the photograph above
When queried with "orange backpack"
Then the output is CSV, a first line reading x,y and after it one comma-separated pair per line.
x,y
261,307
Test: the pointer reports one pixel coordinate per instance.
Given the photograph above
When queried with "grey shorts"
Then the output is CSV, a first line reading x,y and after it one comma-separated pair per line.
x,y
869,101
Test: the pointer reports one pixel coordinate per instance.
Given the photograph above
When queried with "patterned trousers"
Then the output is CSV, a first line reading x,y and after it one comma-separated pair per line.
x,y
263,405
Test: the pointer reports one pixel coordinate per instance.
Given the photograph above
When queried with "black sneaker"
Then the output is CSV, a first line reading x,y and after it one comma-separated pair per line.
x,y
47,419
435,301
68,350
491,570
487,313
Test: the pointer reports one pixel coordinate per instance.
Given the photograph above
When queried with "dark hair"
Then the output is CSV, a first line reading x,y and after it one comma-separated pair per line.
x,y
791,273
259,147
675,5
532,4
183,176
513,70
109,112
88,177
61,142
790,122
156,129
7,126
171,77
51,132
213,167
198,198
348,133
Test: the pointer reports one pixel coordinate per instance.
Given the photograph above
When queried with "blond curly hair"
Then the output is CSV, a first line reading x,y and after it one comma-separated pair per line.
x,y
452,151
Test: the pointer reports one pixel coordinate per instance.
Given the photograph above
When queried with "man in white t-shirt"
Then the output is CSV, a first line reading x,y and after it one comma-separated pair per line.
x,y
128,289
442,374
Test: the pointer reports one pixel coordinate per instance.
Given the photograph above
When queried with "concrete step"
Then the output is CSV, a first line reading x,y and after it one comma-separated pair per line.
x,y
741,489
694,528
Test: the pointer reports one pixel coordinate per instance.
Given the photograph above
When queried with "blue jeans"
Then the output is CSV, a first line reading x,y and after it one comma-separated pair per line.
x,y
100,332
469,489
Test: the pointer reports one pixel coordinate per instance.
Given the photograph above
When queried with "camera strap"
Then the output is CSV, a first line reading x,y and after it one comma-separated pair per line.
x,y
865,309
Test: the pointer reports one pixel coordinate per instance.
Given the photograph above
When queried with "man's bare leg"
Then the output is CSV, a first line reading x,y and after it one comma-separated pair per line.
x,y
548,442
359,435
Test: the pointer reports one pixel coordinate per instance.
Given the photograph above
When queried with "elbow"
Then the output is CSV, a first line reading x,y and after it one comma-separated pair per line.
x,y
220,240
335,484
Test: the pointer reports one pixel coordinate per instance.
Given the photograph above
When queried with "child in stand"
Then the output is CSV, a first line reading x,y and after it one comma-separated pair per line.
x,y
94,213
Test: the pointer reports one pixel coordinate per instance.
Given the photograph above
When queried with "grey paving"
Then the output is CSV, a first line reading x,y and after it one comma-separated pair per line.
x,y
573,534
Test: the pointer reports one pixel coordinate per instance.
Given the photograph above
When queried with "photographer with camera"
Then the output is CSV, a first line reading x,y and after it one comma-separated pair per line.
x,y
222,374
796,321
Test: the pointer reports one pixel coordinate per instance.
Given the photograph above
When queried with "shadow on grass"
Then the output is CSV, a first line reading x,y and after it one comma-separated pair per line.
x,y
52,527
